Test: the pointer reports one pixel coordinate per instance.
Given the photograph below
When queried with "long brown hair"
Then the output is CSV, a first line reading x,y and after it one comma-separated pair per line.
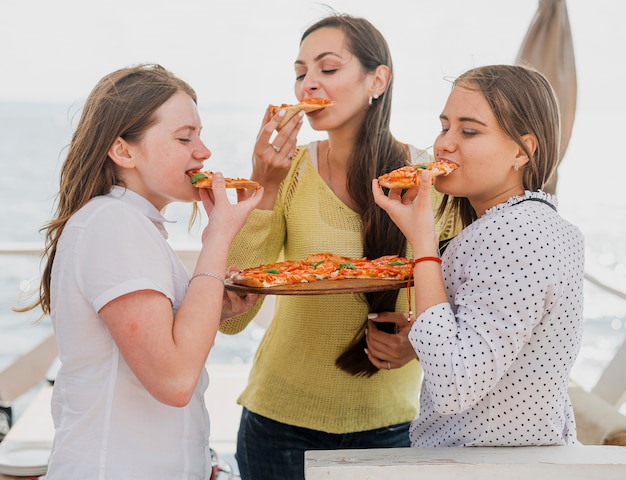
x,y
122,104
523,102
376,151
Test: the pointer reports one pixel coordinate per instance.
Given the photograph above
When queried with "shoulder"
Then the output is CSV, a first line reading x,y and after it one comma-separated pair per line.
x,y
101,207
112,218
527,227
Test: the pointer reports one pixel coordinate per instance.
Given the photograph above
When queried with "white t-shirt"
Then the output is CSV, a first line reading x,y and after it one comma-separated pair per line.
x,y
107,424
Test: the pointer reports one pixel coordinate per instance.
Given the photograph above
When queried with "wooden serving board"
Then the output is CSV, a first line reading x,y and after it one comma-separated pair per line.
x,y
323,287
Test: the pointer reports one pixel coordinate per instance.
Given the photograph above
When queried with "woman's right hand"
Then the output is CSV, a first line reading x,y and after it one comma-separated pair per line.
x,y
226,218
412,213
389,350
271,161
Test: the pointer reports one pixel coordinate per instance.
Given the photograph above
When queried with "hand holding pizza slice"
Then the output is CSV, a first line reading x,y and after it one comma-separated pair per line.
x,y
409,176
306,104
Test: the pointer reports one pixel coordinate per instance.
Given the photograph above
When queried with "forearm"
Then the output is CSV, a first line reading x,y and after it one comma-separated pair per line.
x,y
259,241
194,328
429,287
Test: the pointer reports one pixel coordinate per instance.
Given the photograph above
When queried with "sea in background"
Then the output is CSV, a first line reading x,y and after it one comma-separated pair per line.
x,y
33,140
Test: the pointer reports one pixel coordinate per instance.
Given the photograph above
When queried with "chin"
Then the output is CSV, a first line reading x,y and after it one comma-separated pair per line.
x,y
316,124
189,190
442,186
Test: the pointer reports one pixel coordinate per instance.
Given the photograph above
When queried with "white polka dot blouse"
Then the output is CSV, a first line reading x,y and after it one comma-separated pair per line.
x,y
498,356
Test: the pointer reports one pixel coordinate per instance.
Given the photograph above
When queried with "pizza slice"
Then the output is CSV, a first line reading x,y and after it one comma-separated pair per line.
x,y
409,176
288,272
205,180
324,264
393,267
306,104
389,267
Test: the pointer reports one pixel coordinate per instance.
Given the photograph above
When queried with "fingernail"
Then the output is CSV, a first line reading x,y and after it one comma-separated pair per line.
x,y
281,112
372,316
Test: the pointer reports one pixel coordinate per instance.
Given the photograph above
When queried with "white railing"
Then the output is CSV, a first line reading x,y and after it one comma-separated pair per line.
x,y
188,253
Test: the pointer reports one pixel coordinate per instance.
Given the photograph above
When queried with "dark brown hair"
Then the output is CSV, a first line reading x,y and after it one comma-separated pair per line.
x,y
376,151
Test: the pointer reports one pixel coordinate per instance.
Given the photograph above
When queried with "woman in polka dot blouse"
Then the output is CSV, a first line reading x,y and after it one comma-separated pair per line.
x,y
499,316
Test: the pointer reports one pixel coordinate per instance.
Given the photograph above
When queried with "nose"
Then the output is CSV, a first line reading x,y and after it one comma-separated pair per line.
x,y
309,83
444,143
202,152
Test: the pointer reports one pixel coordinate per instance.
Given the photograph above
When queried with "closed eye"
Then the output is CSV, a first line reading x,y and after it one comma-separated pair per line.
x,y
469,133
465,132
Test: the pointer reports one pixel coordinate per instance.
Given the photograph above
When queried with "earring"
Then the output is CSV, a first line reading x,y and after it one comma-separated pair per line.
x,y
375,97
516,166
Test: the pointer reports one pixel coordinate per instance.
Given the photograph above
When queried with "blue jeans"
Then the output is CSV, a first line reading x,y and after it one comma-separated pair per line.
x,y
270,450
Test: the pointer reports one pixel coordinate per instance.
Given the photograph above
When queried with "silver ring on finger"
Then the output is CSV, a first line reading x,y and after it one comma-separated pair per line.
x,y
289,157
388,365
277,149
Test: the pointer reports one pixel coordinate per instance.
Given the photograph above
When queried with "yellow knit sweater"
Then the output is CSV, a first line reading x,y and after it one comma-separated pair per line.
x,y
294,379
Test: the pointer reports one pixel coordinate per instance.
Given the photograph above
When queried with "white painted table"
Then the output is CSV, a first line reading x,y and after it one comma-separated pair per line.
x,y
469,463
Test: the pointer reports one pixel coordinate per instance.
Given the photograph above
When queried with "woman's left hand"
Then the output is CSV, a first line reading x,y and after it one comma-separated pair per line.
x,y
237,303
389,350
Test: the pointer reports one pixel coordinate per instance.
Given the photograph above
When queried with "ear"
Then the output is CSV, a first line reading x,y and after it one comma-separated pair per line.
x,y
120,154
380,81
531,144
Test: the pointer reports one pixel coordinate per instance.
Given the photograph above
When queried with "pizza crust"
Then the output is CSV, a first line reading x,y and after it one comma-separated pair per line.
x,y
240,279
306,105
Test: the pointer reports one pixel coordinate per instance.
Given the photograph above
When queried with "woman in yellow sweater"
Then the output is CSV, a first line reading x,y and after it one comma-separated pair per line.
x,y
310,387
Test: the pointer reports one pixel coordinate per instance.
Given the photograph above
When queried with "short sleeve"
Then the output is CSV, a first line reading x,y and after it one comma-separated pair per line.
x,y
121,252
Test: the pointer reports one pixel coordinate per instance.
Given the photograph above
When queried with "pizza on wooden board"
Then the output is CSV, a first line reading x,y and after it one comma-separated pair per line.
x,y
409,176
306,104
324,266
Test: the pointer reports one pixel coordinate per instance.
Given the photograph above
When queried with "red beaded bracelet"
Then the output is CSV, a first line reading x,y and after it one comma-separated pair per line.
x,y
408,286
426,259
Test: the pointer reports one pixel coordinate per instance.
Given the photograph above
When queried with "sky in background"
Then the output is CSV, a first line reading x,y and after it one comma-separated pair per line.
x,y
241,52
238,55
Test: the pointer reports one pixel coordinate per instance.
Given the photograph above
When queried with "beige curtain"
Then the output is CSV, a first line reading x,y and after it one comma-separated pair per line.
x,y
549,48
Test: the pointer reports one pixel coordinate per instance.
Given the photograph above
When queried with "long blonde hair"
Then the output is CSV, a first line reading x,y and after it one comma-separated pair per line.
x,y
122,104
